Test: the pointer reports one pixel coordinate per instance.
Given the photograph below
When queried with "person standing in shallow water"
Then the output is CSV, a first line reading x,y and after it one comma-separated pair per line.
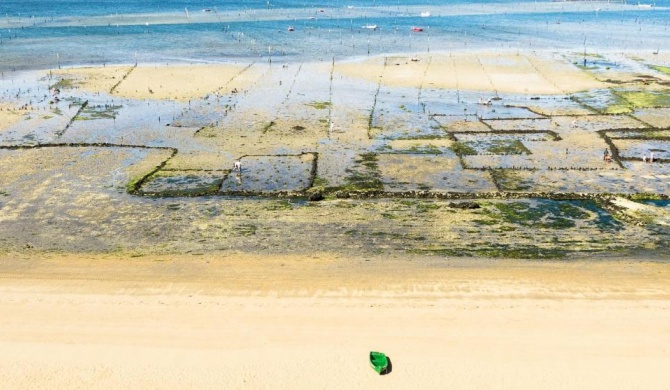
x,y
237,167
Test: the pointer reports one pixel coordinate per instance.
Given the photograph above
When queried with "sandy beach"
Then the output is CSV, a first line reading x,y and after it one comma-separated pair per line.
x,y
246,321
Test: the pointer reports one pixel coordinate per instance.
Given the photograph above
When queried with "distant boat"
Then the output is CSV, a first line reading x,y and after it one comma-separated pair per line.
x,y
417,29
206,10
425,14
290,28
370,26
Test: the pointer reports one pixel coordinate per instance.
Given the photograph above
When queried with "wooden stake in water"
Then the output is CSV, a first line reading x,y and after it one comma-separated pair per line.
x,y
428,36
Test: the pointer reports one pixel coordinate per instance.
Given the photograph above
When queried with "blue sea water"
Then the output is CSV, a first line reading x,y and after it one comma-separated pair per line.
x,y
37,34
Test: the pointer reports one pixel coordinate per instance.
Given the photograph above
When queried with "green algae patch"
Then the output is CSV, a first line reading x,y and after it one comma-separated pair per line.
x,y
510,180
623,101
644,99
640,134
499,251
320,105
364,175
424,207
556,215
93,112
648,197
319,185
182,183
246,229
662,69
428,149
463,149
279,205
619,108
583,67
414,149
134,184
63,83
617,104
268,126
500,146
505,146
605,101
597,56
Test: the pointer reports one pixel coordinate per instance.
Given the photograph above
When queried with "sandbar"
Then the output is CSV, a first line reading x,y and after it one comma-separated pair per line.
x,y
503,72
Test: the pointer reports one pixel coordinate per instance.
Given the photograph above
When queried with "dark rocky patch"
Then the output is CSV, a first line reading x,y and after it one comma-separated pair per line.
x,y
464,205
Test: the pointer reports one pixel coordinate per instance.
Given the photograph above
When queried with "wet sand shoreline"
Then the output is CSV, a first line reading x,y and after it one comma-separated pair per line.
x,y
307,274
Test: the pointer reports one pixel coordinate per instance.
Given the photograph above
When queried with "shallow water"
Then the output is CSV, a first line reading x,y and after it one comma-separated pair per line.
x,y
47,34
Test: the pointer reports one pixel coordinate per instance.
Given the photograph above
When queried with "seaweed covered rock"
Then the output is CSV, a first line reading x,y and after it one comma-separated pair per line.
x,y
315,197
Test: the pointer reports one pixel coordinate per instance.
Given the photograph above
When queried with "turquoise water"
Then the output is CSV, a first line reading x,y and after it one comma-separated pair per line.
x,y
37,34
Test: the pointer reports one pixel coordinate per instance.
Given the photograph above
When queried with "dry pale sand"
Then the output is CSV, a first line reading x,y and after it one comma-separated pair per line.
x,y
504,72
173,82
179,82
94,79
240,321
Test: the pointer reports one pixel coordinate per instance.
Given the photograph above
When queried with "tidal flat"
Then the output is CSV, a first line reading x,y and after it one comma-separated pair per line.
x,y
257,194
380,156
